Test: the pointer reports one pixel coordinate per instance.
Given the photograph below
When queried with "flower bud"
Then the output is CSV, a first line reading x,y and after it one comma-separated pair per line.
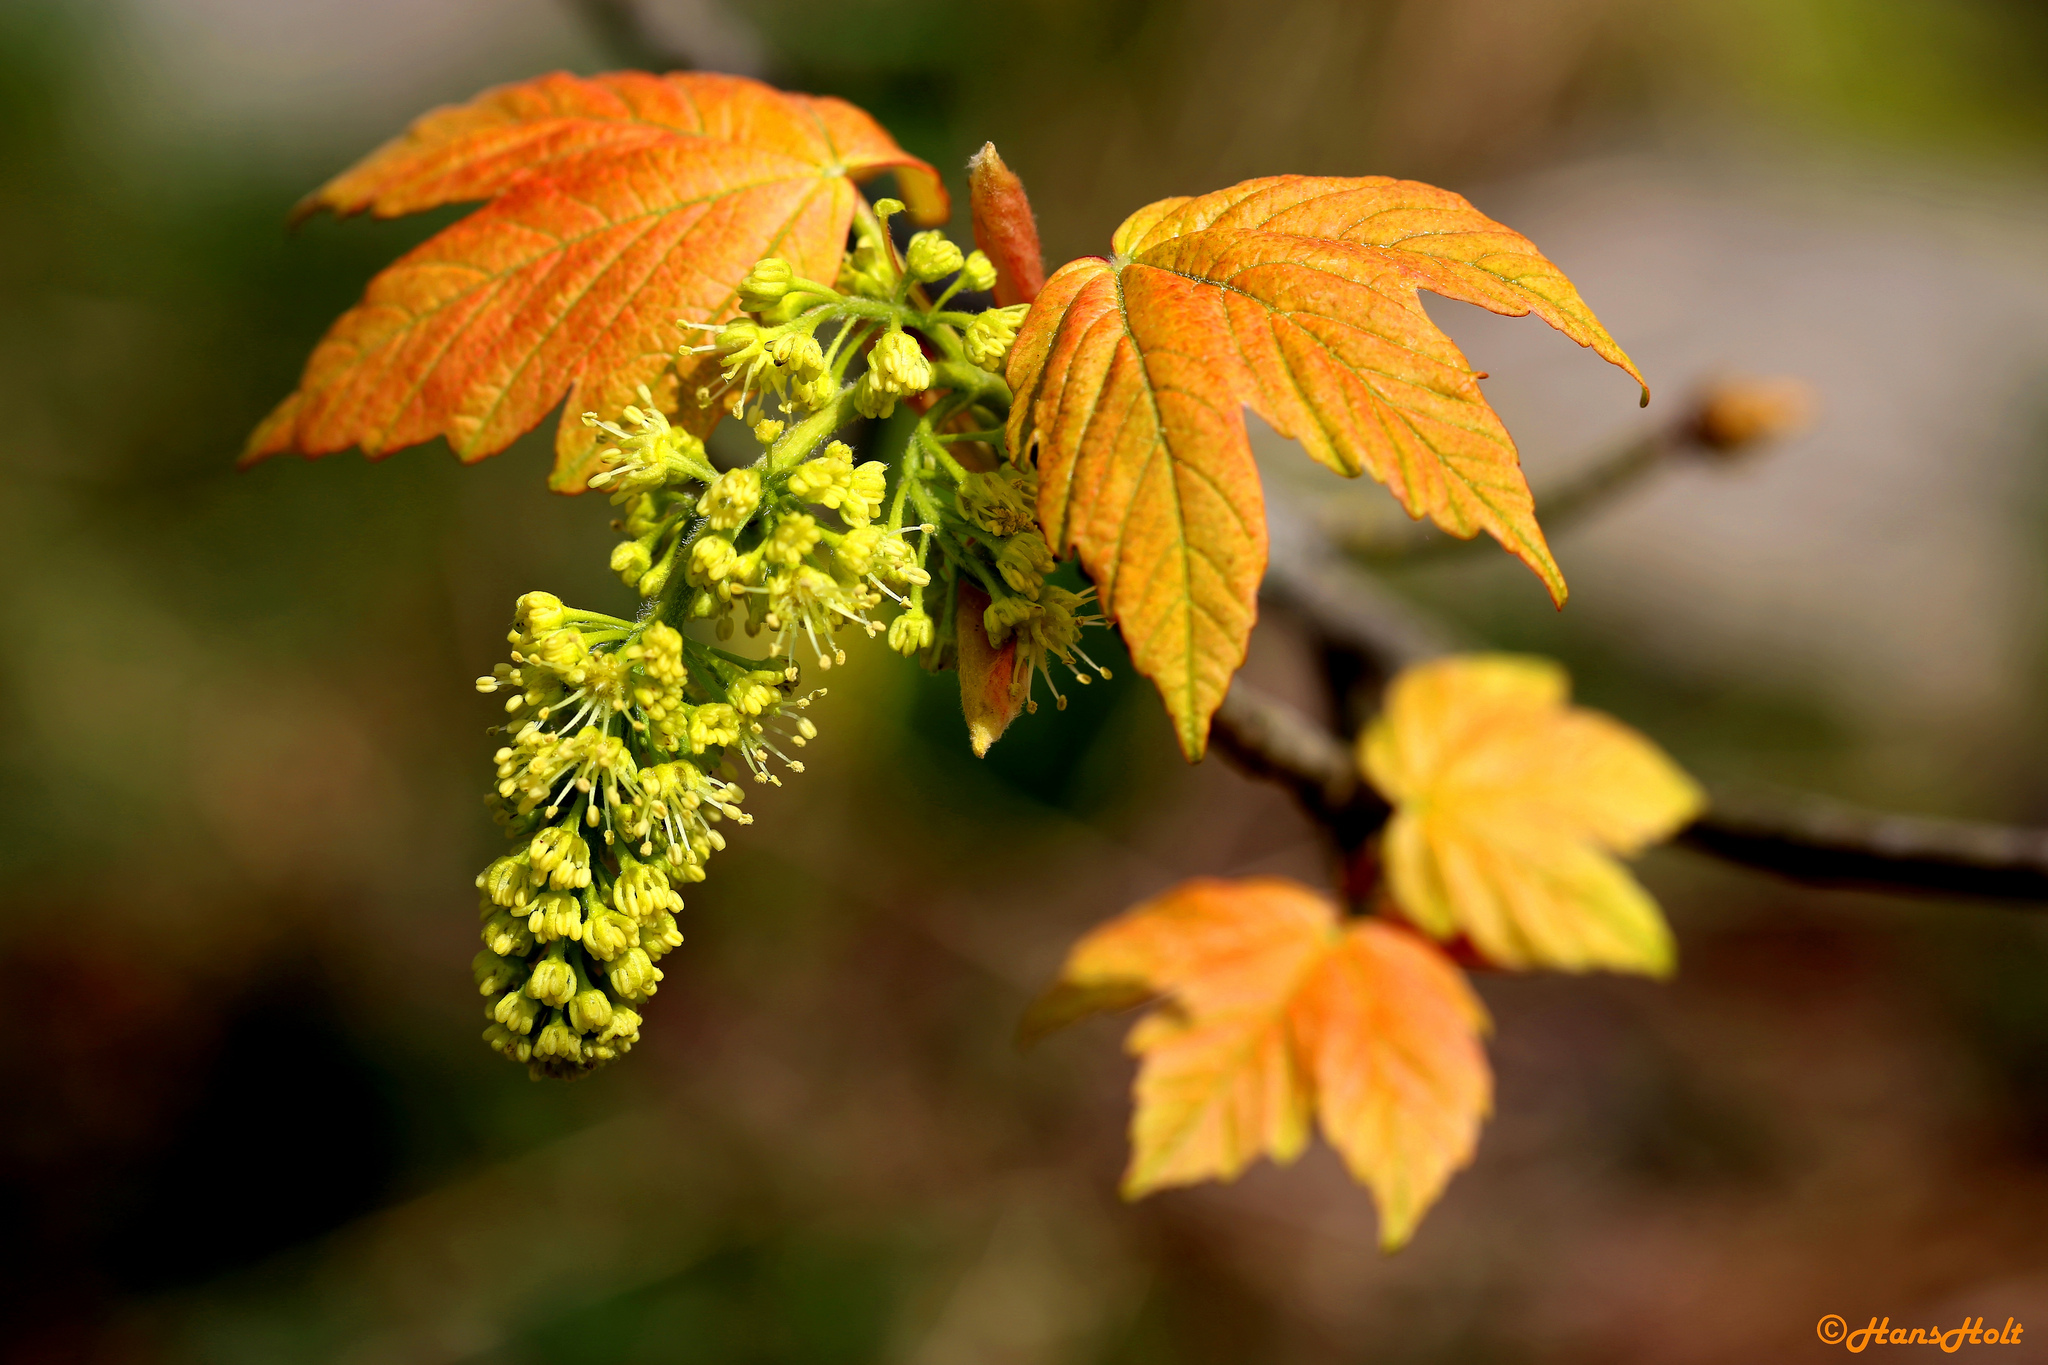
x,y
799,353
504,1040
630,561
495,974
506,936
1024,562
517,1010
538,613
553,981
559,853
732,498
713,726
991,334
624,1027
870,401
633,975
1004,615
505,881
866,490
555,915
659,934
796,533
931,257
558,1040
590,1010
896,365
910,632
765,284
978,273
608,934
710,560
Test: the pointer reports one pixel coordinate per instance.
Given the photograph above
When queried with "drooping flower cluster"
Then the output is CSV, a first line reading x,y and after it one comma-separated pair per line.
x,y
625,737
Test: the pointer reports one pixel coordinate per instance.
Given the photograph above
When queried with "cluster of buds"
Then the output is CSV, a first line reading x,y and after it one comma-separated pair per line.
x,y
625,738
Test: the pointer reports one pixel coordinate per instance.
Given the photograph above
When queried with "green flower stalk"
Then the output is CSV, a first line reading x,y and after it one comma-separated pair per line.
x,y
626,739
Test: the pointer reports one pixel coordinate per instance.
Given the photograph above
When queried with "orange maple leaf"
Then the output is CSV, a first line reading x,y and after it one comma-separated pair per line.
x,y
1272,1011
618,204
1296,295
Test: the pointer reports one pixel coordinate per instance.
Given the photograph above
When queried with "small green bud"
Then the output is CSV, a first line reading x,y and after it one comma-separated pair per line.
x,y
870,401
991,334
910,632
517,1010
897,366
553,981
505,881
507,936
493,973
765,284
538,613
865,492
590,1010
631,561
732,498
713,726
659,934
655,579
555,915
799,353
559,853
608,934
931,257
633,975
504,1040
796,533
978,273
558,1040
710,560
885,209
1004,615
1024,562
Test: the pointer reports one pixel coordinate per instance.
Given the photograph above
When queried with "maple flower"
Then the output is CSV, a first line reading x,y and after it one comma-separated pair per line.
x,y
931,257
897,365
991,335
1044,630
652,455
766,284
977,274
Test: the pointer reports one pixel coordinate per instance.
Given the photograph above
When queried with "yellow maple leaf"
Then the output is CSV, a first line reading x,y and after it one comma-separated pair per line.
x,y
1508,806
1271,1010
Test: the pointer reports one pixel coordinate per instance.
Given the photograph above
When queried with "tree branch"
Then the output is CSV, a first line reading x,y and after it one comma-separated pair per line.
x,y
1725,420
1806,838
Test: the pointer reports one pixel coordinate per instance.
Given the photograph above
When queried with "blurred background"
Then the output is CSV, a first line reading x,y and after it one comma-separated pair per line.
x,y
247,1117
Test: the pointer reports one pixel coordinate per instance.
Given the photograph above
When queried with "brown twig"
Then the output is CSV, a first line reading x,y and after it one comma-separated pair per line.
x,y
1804,837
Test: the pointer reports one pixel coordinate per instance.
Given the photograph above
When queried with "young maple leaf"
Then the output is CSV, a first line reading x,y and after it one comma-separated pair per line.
x,y
1272,1011
1295,295
618,204
1508,803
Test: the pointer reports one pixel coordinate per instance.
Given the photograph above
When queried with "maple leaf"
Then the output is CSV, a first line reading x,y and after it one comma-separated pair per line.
x,y
1508,803
1271,1011
618,204
1296,295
